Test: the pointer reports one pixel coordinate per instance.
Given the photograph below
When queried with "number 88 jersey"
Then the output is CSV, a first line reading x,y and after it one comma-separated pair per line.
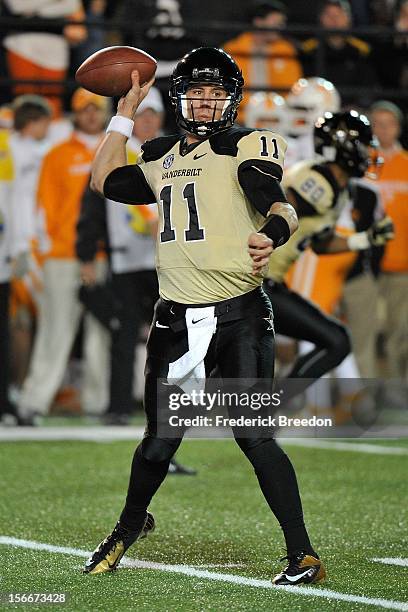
x,y
319,201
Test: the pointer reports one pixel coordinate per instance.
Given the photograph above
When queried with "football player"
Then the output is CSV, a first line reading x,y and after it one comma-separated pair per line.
x,y
267,110
319,191
222,213
307,100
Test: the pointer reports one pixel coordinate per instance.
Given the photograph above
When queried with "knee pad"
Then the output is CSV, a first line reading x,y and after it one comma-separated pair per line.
x,y
157,450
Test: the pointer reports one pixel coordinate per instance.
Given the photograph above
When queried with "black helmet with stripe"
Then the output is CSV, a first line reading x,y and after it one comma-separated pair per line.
x,y
212,66
346,139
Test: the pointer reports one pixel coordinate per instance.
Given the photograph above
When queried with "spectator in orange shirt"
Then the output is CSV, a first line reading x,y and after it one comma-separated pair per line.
x,y
63,178
267,59
386,119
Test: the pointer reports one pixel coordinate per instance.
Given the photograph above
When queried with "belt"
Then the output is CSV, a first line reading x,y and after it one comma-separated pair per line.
x,y
229,309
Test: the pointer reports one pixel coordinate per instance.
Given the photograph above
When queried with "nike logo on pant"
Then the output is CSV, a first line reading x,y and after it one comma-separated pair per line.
x,y
162,326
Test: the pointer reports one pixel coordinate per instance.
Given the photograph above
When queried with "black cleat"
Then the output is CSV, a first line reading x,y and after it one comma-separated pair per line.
x,y
110,551
177,468
302,569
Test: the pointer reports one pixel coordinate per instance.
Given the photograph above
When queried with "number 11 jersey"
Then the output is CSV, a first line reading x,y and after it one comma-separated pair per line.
x,y
206,210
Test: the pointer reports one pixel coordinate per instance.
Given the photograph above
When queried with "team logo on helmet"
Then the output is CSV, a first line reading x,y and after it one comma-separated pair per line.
x,y
206,72
168,161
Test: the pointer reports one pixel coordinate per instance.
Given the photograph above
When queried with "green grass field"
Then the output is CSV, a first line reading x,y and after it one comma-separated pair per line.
x,y
69,494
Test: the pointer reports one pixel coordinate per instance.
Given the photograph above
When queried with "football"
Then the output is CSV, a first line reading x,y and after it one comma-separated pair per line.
x,y
108,71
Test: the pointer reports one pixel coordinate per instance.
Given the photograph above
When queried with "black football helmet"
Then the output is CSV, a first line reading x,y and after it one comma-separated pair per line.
x,y
205,65
346,139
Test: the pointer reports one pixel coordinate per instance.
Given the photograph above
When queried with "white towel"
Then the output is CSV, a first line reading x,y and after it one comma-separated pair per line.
x,y
188,372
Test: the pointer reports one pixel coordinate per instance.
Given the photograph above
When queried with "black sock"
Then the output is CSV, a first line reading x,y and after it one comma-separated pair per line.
x,y
278,483
145,478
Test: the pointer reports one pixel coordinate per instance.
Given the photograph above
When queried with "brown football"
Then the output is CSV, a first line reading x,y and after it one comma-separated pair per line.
x,y
108,71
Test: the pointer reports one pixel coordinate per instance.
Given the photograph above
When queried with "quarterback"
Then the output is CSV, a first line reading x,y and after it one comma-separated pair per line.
x,y
222,215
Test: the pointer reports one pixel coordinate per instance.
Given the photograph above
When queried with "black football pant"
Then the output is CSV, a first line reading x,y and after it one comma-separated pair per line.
x,y
137,293
241,348
300,319
4,346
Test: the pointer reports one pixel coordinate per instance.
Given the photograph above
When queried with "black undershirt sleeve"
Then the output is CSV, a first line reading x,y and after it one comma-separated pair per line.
x,y
365,203
261,184
129,186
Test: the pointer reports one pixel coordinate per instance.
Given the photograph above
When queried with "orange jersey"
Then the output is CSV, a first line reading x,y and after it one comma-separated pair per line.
x,y
64,175
321,278
393,185
281,65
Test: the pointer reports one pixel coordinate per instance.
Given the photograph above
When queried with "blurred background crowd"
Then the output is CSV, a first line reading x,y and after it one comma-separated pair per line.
x,y
77,279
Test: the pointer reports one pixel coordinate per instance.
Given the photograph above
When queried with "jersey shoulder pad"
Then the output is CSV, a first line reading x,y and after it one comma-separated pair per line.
x,y
156,148
263,146
314,184
324,171
226,141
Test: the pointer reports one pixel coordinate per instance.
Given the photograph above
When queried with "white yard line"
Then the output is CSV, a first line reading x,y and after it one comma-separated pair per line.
x,y
358,447
186,570
392,561
112,434
85,434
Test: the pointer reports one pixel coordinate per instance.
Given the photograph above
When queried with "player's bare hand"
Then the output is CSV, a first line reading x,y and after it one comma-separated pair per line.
x,y
260,248
128,104
88,274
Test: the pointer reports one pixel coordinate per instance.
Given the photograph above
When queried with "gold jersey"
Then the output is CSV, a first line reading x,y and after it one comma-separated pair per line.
x,y
307,181
205,216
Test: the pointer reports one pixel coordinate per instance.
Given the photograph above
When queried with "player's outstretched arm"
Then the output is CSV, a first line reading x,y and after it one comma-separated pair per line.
x,y
377,235
111,154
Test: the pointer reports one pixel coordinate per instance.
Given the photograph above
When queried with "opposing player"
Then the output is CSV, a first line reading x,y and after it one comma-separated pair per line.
x,y
222,215
307,100
319,191
267,110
